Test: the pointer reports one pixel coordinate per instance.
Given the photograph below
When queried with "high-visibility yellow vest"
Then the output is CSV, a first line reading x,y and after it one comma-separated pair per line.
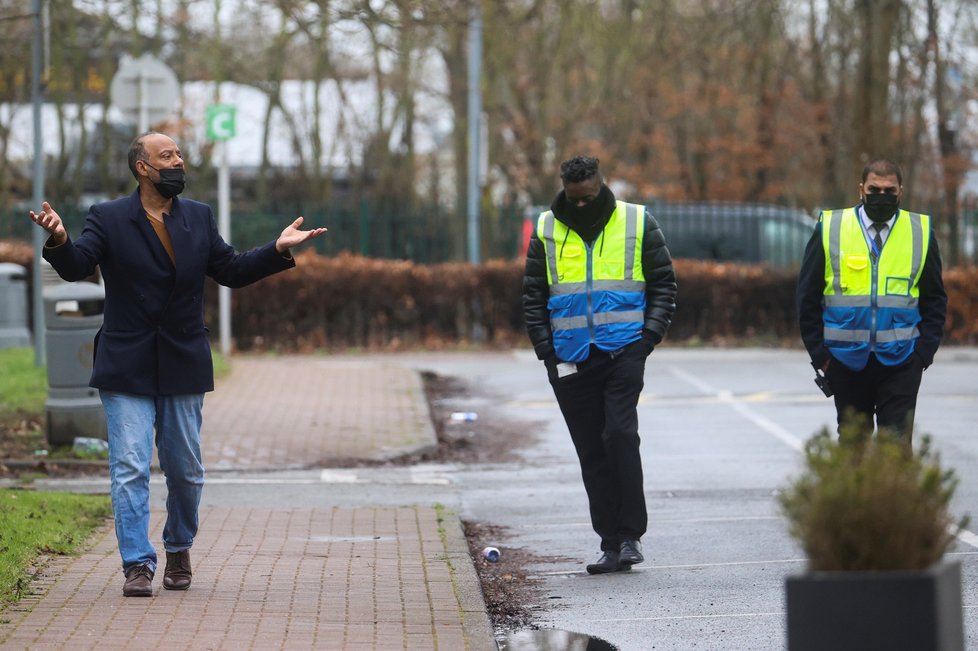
x,y
597,292
871,304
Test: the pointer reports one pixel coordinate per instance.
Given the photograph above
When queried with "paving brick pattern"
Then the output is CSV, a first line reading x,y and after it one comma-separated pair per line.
x,y
279,412
362,577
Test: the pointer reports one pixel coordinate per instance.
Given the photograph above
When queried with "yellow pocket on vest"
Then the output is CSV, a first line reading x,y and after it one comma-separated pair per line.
x,y
898,286
571,251
857,262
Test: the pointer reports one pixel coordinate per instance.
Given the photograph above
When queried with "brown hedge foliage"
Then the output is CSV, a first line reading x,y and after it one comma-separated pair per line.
x,y
349,301
16,252
961,284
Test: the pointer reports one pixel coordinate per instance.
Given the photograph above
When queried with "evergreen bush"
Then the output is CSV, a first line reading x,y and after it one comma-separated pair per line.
x,y
871,505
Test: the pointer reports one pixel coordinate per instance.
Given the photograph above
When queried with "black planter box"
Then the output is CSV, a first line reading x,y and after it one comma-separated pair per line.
x,y
842,611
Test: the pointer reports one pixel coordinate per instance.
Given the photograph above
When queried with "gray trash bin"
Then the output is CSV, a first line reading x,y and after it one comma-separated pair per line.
x,y
14,332
73,314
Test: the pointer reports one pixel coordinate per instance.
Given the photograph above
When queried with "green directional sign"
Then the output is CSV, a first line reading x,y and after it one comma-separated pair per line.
x,y
220,122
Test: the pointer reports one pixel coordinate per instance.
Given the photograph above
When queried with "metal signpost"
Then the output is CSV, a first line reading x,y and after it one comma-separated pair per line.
x,y
38,234
220,128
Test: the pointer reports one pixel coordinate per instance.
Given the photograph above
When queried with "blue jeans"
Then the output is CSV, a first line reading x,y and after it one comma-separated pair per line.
x,y
131,421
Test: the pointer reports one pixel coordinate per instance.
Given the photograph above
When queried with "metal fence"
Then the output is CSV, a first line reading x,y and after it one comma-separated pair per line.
x,y
424,235
751,233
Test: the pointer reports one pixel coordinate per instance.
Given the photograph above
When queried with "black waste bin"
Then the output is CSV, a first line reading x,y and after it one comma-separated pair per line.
x,y
14,332
73,314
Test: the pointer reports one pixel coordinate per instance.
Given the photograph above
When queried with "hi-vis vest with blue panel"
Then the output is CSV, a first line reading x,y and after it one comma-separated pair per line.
x,y
872,305
597,292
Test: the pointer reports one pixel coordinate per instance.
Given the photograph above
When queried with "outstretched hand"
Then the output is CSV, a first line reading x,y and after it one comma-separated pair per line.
x,y
50,221
292,236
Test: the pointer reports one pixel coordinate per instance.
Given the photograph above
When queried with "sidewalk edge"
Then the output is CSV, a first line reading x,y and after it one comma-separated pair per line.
x,y
475,619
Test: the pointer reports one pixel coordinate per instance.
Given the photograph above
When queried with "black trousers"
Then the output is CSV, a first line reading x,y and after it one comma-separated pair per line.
x,y
888,393
599,404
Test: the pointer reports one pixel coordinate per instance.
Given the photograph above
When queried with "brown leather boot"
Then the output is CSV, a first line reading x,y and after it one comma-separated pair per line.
x,y
139,582
177,574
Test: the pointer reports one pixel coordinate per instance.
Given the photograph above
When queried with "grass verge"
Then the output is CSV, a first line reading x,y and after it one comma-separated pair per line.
x,y
23,386
23,393
35,523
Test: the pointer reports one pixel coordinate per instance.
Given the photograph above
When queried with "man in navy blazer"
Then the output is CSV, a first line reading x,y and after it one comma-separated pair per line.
x,y
152,356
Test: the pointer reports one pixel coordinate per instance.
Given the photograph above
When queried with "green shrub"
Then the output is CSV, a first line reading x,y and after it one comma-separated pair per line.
x,y
871,506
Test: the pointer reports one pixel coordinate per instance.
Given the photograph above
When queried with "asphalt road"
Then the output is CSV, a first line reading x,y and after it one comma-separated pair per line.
x,y
722,431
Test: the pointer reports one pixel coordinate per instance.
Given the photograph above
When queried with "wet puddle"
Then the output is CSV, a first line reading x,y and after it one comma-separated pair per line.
x,y
552,640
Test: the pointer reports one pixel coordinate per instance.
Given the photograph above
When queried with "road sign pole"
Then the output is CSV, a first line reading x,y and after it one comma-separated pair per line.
x,y
143,124
38,234
224,227
220,128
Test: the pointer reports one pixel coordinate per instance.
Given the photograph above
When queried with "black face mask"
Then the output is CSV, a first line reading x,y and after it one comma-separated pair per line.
x,y
880,207
588,214
172,180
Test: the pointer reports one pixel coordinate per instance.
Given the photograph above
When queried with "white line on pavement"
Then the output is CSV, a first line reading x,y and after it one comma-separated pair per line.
x,y
700,566
587,525
727,397
678,617
689,566
714,616
330,476
967,537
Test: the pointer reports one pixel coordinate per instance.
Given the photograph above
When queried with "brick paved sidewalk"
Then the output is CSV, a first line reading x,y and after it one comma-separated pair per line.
x,y
345,578
297,578
291,411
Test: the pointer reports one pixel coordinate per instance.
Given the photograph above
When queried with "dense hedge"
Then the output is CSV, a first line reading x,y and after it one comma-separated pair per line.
x,y
346,301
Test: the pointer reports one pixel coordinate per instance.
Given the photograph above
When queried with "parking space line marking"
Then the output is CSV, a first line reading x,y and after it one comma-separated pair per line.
x,y
587,525
697,566
690,566
716,616
727,397
967,537
679,617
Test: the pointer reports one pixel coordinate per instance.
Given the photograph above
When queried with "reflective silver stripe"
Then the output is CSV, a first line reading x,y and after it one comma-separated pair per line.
x,y
917,237
632,316
892,300
897,334
618,285
564,289
569,322
843,300
835,240
838,334
631,230
600,318
550,246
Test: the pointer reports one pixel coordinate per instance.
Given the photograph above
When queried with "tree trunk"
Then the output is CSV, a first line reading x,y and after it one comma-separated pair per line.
x,y
877,21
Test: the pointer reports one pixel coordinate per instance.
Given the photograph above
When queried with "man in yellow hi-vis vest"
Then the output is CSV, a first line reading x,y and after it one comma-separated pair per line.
x,y
598,295
871,305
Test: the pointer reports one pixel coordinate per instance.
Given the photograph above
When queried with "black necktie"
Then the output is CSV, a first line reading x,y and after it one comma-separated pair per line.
x,y
878,238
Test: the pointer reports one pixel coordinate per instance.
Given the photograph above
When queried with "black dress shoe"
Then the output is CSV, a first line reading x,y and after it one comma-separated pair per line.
x,y
177,575
139,582
631,553
607,563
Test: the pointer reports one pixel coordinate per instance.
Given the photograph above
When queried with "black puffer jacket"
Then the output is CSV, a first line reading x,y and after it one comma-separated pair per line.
x,y
660,289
